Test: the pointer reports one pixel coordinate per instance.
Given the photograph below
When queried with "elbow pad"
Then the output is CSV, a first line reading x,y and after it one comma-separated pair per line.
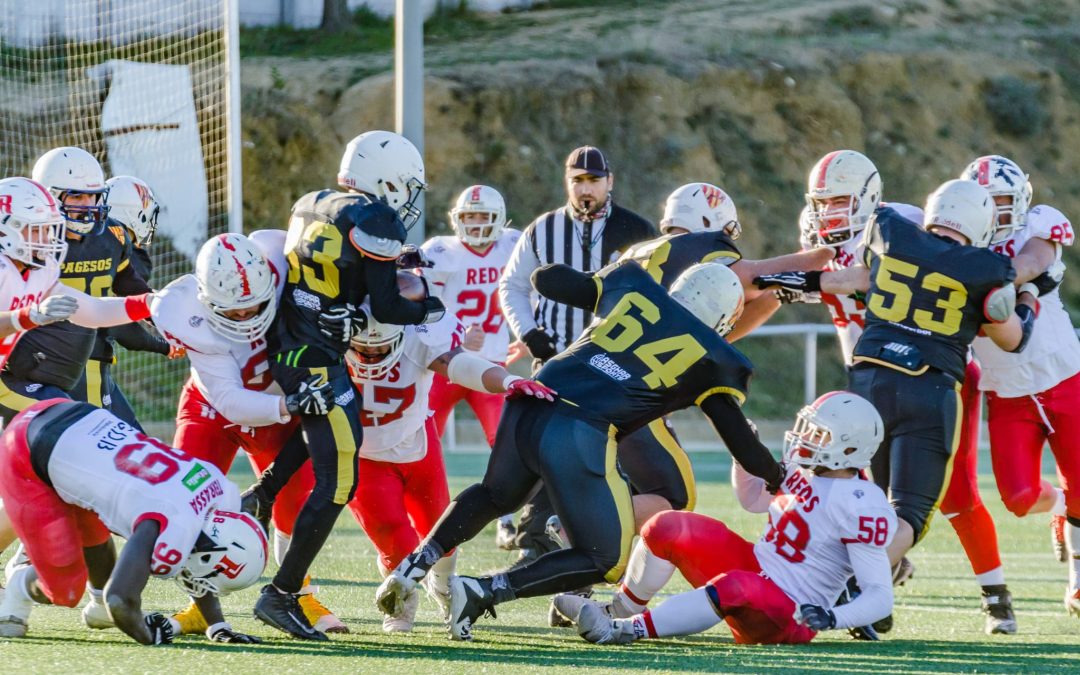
x,y
1027,323
468,370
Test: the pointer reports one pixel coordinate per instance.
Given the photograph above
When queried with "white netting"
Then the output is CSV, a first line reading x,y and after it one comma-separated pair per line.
x,y
144,86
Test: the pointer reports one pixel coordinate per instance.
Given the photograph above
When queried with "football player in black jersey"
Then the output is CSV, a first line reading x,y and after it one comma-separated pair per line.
x,y
928,293
650,353
341,247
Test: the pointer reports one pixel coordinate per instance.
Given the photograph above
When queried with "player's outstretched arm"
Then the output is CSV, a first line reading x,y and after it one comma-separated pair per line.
x,y
123,593
94,312
567,285
740,439
479,374
804,261
1034,258
840,282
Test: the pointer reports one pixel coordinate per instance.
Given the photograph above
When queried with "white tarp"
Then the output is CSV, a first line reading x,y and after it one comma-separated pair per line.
x,y
151,131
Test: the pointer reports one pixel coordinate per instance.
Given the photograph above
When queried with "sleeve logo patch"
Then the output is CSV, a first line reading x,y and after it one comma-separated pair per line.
x,y
196,477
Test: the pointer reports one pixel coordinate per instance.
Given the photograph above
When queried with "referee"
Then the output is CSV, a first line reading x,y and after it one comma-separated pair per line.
x,y
587,233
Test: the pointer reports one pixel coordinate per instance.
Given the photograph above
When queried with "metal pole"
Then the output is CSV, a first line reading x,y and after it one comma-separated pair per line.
x,y
232,103
409,84
810,366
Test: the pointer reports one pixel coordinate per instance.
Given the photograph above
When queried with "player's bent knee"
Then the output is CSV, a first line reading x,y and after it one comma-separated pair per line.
x,y
1020,502
916,517
729,590
664,532
67,588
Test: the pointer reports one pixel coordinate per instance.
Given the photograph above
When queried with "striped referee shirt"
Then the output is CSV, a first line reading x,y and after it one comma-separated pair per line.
x,y
557,237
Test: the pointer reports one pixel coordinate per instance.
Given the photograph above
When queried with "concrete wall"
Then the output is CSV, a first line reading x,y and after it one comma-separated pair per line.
x,y
308,13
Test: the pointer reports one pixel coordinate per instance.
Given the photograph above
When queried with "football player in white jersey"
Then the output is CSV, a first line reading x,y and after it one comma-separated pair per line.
x,y
220,315
72,474
465,272
825,524
843,189
32,247
403,489
1034,397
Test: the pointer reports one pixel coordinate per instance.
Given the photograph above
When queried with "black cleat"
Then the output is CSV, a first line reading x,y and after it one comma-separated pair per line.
x,y
470,598
282,611
864,633
850,592
254,503
997,605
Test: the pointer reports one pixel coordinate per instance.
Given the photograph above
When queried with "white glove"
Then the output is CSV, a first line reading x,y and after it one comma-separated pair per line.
x,y
50,310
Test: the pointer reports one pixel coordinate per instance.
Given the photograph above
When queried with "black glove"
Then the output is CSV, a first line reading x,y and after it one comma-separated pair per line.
x,y
796,281
411,257
435,310
314,397
773,486
340,323
540,344
1049,280
788,296
161,632
225,633
815,617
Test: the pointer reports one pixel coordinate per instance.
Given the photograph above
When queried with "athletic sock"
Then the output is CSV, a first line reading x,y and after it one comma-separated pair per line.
x,y
281,545
1072,538
17,601
683,614
646,574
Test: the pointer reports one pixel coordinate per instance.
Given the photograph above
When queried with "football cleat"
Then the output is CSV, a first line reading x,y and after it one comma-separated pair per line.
x,y
282,611
440,598
560,619
864,633
403,623
554,531
320,618
902,571
870,632
12,627
1057,538
391,593
96,615
997,605
596,626
506,535
1072,601
191,620
469,600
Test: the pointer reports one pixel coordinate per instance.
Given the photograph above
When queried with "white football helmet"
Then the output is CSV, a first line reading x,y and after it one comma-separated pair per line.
x,y
838,174
374,335
233,274
479,199
71,170
963,206
388,166
31,225
235,560
712,293
131,203
1002,177
698,207
839,430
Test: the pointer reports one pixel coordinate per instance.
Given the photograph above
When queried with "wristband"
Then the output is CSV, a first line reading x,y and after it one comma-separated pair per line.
x,y
138,306
21,319
509,380
212,630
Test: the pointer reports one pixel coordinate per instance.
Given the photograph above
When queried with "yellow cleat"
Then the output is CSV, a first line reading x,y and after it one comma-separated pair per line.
x,y
320,618
191,620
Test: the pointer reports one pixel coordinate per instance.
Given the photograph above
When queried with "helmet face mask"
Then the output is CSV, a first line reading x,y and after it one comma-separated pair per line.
x,y
1010,188
484,209
839,430
843,190
230,555
375,349
233,276
31,225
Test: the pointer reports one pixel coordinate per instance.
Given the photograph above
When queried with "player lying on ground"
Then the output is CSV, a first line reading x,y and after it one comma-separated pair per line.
x,y
70,473
825,524
611,381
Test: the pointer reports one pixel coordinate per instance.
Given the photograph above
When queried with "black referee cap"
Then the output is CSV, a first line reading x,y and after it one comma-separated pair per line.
x,y
589,159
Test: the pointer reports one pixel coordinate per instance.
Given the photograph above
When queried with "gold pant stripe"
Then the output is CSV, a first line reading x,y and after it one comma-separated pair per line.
x,y
620,492
346,450
14,400
93,383
661,432
957,427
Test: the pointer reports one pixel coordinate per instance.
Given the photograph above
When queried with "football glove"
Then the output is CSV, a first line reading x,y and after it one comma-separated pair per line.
x,y
521,388
773,486
411,257
796,281
1050,279
223,632
52,309
788,296
540,344
340,323
161,631
314,397
435,310
815,617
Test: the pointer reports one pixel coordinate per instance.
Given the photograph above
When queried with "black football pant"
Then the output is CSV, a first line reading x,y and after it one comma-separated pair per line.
x,y
332,442
654,462
576,459
17,394
922,416
97,387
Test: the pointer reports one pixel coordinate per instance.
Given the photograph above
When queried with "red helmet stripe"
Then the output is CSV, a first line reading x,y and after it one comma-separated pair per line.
x,y
983,174
825,168
224,239
243,275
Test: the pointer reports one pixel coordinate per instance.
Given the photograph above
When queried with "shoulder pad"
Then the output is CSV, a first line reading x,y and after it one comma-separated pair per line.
x,y
1000,303
907,211
179,316
1046,222
376,229
439,337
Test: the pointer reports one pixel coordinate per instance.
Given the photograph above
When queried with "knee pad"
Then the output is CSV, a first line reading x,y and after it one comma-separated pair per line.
x,y
1019,503
664,531
67,590
730,589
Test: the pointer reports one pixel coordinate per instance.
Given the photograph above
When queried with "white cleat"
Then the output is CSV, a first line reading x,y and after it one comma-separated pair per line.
x,y
403,623
440,598
1072,601
391,594
95,615
12,627
596,626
